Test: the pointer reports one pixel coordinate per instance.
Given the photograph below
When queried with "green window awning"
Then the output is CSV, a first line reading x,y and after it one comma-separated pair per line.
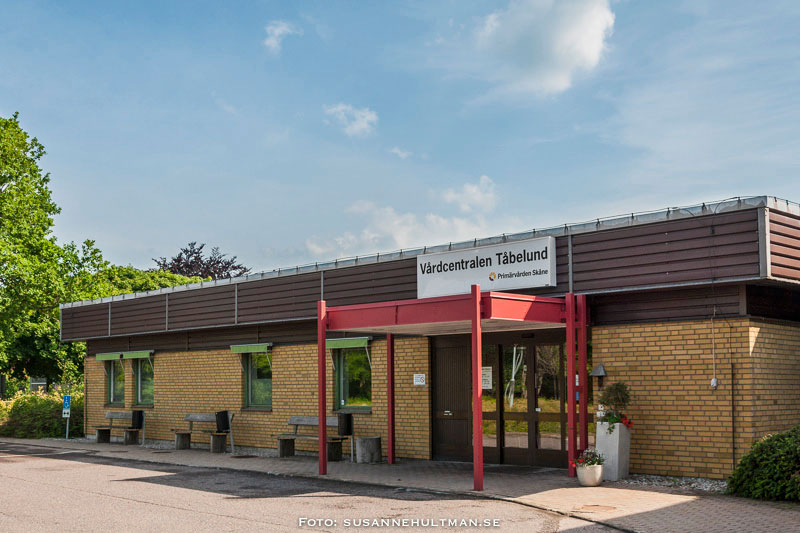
x,y
251,348
111,356
351,342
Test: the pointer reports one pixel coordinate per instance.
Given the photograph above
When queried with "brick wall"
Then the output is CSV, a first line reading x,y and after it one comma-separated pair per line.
x,y
775,354
206,381
681,425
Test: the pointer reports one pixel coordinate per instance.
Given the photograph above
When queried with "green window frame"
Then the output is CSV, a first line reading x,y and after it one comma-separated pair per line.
x,y
144,379
258,379
115,382
353,379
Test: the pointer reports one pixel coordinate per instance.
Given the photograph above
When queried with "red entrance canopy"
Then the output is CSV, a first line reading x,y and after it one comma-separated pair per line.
x,y
465,313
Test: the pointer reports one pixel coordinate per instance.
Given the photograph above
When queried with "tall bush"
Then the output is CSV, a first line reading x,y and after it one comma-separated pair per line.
x,y
771,469
37,415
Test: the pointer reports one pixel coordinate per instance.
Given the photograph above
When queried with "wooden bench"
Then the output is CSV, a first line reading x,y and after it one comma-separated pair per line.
x,y
286,440
183,437
131,433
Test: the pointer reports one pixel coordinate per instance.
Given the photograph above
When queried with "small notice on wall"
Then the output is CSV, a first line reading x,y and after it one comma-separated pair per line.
x,y
486,377
419,379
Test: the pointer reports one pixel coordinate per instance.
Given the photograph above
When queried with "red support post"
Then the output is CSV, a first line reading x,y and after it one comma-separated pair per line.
x,y
571,451
322,326
477,391
390,394
583,372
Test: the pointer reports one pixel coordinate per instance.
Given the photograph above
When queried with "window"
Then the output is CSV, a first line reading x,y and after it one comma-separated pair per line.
x,y
259,379
144,381
353,378
116,382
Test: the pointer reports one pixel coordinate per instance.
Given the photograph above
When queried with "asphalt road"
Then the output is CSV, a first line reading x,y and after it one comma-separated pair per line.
x,y
54,489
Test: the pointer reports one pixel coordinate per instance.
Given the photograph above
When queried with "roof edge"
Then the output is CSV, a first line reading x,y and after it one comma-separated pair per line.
x,y
615,222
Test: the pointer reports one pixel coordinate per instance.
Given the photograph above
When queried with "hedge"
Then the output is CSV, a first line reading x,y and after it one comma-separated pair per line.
x,y
36,415
771,469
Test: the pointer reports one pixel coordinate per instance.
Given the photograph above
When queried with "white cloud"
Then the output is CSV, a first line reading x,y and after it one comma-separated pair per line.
x,y
225,106
532,46
386,229
702,118
277,31
399,152
479,196
355,122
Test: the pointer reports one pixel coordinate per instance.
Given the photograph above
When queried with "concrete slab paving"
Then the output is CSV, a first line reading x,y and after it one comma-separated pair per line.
x,y
631,508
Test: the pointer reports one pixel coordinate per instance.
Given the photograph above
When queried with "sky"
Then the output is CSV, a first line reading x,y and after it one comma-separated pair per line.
x,y
293,132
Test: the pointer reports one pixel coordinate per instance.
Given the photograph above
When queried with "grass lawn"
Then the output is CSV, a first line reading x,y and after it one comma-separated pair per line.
x,y
521,406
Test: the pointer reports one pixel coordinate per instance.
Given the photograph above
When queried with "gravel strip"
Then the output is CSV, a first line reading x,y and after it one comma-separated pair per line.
x,y
685,483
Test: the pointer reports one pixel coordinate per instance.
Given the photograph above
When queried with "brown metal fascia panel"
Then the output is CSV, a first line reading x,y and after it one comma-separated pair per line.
x,y
779,303
729,254
139,315
700,233
729,273
671,246
668,227
672,304
81,322
783,245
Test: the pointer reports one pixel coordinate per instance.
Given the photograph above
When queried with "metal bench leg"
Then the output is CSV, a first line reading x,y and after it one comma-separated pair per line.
x,y
103,436
285,447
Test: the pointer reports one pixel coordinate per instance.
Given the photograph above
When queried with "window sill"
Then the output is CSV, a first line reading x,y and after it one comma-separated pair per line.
x,y
143,406
117,405
354,411
258,409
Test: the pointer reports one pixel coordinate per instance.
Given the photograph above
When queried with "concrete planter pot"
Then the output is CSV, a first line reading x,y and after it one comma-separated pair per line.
x,y
616,448
590,476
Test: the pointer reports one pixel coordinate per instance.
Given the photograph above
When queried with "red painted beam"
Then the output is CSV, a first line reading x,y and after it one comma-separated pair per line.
x,y
445,309
582,312
477,390
390,394
322,320
511,307
571,448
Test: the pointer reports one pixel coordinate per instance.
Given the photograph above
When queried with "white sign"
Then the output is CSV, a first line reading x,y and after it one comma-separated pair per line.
x,y
486,377
65,413
516,265
419,379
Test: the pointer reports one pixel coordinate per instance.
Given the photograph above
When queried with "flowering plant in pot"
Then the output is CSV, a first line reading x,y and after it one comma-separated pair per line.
x,y
613,434
589,467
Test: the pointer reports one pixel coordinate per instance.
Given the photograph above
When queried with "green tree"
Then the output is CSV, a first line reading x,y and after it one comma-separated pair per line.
x,y
37,273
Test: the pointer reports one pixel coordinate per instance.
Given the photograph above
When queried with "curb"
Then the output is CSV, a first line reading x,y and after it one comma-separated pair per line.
x,y
469,494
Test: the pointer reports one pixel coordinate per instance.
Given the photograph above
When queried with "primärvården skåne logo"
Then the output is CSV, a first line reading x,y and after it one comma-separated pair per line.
x,y
492,276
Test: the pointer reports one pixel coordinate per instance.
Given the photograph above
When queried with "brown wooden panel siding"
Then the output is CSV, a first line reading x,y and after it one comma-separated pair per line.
x,y
212,306
279,298
670,304
773,302
784,250
687,250
83,322
378,282
139,315
116,344
209,339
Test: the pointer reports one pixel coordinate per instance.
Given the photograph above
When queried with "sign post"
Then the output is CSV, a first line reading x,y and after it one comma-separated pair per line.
x,y
65,409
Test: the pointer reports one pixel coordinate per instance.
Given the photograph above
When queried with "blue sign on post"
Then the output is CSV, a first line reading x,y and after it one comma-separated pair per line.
x,y
65,410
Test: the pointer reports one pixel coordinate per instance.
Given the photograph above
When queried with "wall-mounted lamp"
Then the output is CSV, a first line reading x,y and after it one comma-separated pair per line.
x,y
599,372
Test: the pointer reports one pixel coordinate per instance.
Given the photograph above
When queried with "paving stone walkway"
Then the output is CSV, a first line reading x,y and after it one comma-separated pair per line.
x,y
631,508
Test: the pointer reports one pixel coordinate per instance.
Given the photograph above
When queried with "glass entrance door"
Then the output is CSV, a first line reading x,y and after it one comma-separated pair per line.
x,y
549,405
524,400
517,425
